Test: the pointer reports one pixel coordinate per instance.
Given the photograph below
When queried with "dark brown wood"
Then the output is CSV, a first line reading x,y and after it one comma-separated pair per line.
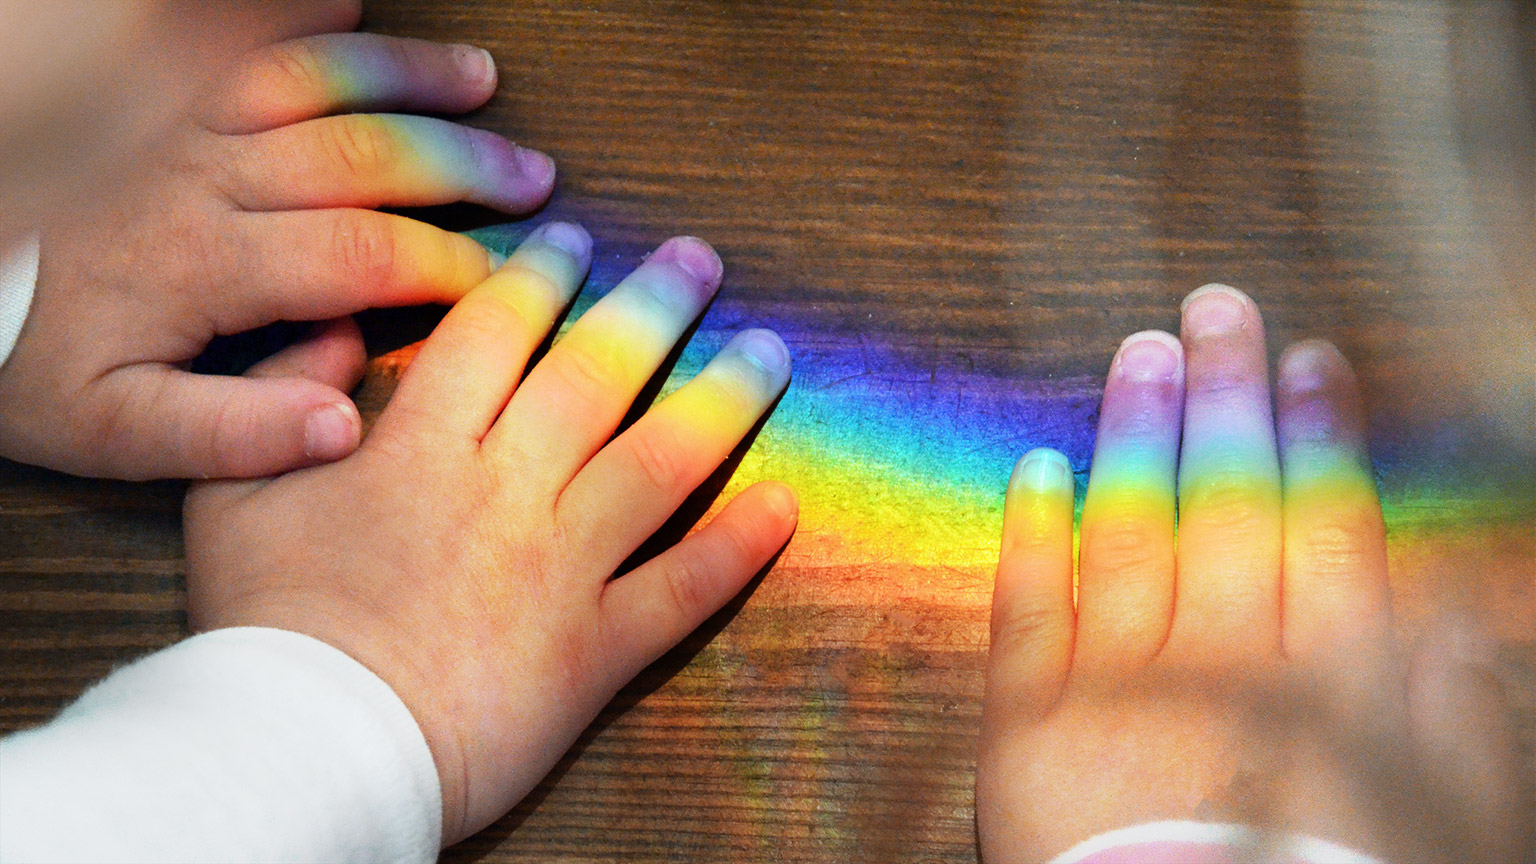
x,y
989,189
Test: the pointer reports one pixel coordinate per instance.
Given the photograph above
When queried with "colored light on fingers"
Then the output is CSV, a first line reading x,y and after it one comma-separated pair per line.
x,y
1227,455
562,252
1136,455
901,459
491,169
531,294
1040,502
1327,473
1230,453
623,338
726,398
1331,509
1328,482
359,68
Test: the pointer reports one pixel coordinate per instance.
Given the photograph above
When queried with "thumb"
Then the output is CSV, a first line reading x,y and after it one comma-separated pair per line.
x,y
332,353
288,412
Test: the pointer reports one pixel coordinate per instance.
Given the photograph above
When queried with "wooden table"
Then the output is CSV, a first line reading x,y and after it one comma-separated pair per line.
x,y
953,212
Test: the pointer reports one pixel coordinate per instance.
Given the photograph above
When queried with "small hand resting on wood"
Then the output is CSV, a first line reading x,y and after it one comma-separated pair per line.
x,y
257,205
1247,674
465,552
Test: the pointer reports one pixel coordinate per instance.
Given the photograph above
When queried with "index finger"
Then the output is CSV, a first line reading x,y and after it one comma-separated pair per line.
x,y
313,265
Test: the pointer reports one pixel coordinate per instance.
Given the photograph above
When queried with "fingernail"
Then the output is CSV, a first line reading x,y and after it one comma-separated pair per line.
x,y
1211,310
1043,470
332,432
781,502
571,239
765,349
693,256
477,64
1307,366
535,165
1148,356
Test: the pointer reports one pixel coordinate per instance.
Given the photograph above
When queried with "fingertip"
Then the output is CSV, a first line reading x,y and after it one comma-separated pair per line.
x,y
1312,364
781,502
341,341
1318,401
1215,309
538,167
1210,288
332,353
1038,509
1161,337
568,237
693,256
559,251
478,68
1150,355
332,431
1041,470
766,353
496,172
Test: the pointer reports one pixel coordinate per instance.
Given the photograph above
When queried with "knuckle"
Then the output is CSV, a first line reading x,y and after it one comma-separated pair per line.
x,y
685,583
584,372
231,431
403,57
115,428
362,145
1220,389
735,545
485,316
300,65
404,443
1229,502
1339,545
1025,621
364,246
662,463
1122,545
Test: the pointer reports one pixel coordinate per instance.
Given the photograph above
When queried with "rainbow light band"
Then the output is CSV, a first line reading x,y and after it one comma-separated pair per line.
x,y
900,468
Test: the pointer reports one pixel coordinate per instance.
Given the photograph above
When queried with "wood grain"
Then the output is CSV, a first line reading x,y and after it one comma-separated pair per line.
x,y
1025,184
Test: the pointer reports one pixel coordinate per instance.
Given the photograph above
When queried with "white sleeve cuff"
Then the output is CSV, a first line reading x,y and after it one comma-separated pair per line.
x,y
18,279
1184,840
247,744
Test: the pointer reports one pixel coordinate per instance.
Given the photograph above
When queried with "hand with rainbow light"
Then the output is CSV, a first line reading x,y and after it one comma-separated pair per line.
x,y
466,551
1248,673
258,207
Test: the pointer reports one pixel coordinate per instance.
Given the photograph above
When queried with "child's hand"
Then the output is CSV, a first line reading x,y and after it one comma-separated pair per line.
x,y
465,552
259,211
1246,673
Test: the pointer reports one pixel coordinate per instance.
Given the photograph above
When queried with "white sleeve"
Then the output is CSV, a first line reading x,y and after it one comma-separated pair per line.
x,y
1211,842
247,744
18,278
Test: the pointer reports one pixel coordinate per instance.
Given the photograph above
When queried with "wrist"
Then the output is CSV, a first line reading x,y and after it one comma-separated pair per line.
x,y
410,685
